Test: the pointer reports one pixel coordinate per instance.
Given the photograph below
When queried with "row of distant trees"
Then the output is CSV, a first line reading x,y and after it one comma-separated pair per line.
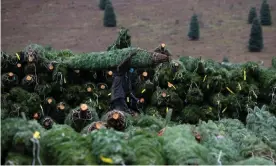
x,y
255,43
256,35
109,14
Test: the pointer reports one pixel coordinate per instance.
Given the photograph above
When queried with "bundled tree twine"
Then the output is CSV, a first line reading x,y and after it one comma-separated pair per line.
x,y
219,162
36,151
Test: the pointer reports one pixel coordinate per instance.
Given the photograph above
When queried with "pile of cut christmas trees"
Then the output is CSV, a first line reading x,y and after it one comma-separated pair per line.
x,y
55,109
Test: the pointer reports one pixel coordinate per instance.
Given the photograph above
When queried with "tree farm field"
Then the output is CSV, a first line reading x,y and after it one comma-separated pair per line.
x,y
78,26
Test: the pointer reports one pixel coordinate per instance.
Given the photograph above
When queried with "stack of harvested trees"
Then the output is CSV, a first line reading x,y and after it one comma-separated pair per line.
x,y
59,100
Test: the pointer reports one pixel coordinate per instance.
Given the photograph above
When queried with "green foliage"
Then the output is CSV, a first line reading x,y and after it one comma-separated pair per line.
x,y
189,62
123,40
274,62
265,15
255,161
64,53
43,89
236,142
145,90
194,96
59,76
225,59
171,100
44,54
267,78
110,59
255,43
214,139
252,70
153,123
193,113
18,159
152,111
194,28
4,60
167,72
77,122
75,94
147,147
113,145
16,134
267,89
181,148
23,101
261,122
246,141
63,146
109,15
196,90
252,15
102,4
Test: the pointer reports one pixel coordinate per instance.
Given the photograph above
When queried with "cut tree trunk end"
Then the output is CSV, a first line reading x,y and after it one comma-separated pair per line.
x,y
47,123
96,126
37,116
29,77
164,94
89,89
10,74
83,107
51,67
116,119
61,106
145,74
50,100
19,65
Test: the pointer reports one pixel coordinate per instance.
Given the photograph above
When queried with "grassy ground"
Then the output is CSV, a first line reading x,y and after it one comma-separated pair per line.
x,y
78,25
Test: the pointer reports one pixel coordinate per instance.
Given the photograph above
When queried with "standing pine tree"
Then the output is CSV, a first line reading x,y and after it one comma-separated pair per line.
x,y
255,43
194,28
252,15
265,15
109,15
102,4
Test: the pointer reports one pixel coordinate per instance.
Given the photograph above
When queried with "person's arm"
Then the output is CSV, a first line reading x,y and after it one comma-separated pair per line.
x,y
135,98
168,53
125,64
157,49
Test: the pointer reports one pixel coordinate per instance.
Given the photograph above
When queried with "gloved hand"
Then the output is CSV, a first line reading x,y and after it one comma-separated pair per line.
x,y
141,100
140,103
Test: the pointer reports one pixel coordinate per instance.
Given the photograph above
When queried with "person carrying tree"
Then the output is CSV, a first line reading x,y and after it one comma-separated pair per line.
x,y
121,89
163,50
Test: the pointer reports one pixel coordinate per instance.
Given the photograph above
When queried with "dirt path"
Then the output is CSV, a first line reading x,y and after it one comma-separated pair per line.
x,y
77,25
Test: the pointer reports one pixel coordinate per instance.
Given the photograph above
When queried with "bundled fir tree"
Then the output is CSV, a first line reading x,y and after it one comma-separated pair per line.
x,y
123,40
273,62
252,15
111,59
102,4
194,28
109,15
63,146
265,15
147,147
110,147
256,37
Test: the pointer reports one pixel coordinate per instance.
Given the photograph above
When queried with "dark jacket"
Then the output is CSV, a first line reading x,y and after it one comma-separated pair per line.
x,y
118,86
122,85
